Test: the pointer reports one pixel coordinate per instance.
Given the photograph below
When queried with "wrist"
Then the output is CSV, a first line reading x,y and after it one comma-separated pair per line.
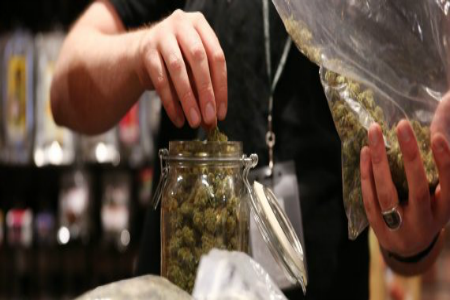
x,y
416,264
416,258
140,42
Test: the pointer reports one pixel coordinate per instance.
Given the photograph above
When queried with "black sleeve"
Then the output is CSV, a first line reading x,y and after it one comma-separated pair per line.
x,y
135,13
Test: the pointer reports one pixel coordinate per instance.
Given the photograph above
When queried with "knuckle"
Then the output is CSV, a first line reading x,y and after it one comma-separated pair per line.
x,y
146,46
422,195
365,175
222,90
219,57
160,82
377,158
175,64
198,53
368,208
167,104
178,14
386,199
411,154
205,88
199,16
150,56
186,97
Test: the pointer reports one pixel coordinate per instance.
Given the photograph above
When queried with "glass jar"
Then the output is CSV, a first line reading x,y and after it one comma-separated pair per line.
x,y
204,204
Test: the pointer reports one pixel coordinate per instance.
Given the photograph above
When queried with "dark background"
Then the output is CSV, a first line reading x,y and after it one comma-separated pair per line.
x,y
56,271
40,15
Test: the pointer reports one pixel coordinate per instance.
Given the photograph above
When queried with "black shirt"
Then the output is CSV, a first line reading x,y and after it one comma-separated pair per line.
x,y
337,267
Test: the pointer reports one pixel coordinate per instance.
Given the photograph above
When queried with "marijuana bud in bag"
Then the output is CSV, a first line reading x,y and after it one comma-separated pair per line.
x,y
399,52
354,109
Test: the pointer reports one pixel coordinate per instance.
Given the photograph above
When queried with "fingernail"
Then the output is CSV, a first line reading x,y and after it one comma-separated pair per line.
x,y
373,137
404,134
195,119
222,111
209,113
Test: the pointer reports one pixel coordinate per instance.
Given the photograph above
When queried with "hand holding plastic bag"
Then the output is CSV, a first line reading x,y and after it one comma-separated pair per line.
x,y
393,56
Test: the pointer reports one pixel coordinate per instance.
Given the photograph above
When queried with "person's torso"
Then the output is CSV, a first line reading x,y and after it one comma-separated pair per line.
x,y
304,132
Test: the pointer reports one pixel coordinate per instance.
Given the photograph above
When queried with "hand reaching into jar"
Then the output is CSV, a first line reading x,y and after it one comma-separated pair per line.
x,y
181,58
102,70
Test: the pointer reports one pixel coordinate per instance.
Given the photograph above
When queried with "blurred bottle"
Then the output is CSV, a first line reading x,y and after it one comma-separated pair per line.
x,y
19,222
131,148
101,149
145,186
45,226
135,130
115,210
74,210
53,144
17,104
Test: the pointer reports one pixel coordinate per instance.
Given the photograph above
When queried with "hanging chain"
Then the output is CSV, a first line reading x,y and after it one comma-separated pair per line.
x,y
270,135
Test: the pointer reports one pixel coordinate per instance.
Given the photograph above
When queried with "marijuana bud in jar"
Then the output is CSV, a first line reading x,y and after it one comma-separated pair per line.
x,y
202,205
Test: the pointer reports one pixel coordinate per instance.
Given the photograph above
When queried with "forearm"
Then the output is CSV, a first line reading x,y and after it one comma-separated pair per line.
x,y
95,81
412,269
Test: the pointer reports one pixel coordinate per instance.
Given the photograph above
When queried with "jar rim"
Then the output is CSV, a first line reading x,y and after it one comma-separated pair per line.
x,y
205,149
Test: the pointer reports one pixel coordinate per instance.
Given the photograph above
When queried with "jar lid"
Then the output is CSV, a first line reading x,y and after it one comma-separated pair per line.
x,y
279,234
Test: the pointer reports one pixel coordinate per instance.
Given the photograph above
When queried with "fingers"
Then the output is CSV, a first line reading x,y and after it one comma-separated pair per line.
x,y
191,60
217,64
161,81
419,194
176,66
194,51
421,217
373,210
441,152
385,189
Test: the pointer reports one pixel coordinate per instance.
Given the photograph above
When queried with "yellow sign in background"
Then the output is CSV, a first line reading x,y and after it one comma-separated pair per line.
x,y
17,98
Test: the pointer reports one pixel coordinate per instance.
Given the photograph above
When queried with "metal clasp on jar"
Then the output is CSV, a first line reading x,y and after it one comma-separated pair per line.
x,y
163,155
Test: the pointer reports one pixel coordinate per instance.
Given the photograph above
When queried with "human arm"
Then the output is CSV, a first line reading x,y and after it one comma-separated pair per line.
x,y
423,215
102,70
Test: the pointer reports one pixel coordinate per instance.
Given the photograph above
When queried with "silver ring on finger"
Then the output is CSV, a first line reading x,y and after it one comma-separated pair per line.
x,y
392,218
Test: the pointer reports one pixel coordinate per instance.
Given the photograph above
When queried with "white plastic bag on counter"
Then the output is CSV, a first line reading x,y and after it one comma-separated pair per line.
x,y
224,275
144,287
53,144
393,56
